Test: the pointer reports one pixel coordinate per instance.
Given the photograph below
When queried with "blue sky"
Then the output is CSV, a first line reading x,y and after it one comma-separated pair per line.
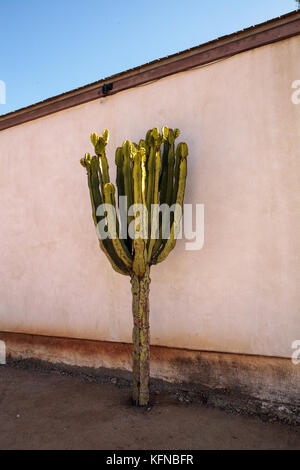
x,y
52,46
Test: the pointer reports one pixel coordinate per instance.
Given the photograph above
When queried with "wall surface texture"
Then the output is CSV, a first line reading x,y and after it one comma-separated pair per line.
x,y
240,293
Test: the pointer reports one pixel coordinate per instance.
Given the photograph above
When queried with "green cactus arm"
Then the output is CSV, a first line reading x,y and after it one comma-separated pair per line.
x,y
119,160
119,245
120,183
143,152
99,144
162,190
94,138
96,199
155,215
160,243
104,168
107,245
150,175
86,163
155,140
139,261
164,133
139,181
137,178
164,173
148,140
171,161
128,179
100,147
105,136
166,183
169,186
171,242
176,174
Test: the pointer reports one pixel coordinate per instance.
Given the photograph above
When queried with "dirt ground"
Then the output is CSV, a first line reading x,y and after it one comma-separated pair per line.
x,y
42,410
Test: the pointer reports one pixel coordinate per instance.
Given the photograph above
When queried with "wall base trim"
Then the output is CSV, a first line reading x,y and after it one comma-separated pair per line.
x,y
262,385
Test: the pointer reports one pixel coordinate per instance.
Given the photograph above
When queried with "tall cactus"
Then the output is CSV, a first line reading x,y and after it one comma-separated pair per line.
x,y
149,174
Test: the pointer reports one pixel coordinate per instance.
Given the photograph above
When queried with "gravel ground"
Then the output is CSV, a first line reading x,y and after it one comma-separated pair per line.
x,y
49,410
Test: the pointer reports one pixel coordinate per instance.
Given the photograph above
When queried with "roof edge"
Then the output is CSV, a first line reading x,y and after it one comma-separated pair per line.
x,y
274,30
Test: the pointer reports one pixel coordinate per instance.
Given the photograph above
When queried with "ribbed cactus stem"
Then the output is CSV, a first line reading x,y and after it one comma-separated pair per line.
x,y
93,183
139,261
150,182
154,212
141,338
128,180
119,160
171,242
118,244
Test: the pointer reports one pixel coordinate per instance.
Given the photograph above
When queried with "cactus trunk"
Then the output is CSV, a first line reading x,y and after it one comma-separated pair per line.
x,y
141,338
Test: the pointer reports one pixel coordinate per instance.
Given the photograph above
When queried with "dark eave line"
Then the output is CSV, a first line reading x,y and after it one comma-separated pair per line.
x,y
266,33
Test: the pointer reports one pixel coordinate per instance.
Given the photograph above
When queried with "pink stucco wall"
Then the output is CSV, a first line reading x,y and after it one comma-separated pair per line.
x,y
240,293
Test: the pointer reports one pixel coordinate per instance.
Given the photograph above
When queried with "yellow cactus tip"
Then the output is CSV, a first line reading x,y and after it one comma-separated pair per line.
x,y
184,150
126,148
109,188
155,133
176,133
148,137
119,157
100,146
94,138
105,135
171,136
165,132
126,145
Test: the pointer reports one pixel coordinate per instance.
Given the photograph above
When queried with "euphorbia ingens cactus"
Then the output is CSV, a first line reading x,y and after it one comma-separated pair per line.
x,y
137,241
